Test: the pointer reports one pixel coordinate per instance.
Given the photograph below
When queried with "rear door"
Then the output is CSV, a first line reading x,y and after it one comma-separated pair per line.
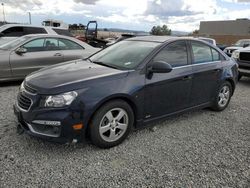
x,y
207,69
71,50
40,53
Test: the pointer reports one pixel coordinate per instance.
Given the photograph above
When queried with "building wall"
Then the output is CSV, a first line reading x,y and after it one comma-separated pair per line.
x,y
229,27
226,32
228,39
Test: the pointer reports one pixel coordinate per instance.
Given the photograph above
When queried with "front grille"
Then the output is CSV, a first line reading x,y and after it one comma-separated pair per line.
x,y
29,89
23,101
245,56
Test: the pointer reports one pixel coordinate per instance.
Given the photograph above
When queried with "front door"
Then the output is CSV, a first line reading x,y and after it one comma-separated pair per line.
x,y
166,93
40,53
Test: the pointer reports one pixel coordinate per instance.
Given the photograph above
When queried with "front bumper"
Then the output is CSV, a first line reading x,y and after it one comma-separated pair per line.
x,y
244,68
35,123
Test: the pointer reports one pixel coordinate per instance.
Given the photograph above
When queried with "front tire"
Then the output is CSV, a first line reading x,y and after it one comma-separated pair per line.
x,y
223,96
111,124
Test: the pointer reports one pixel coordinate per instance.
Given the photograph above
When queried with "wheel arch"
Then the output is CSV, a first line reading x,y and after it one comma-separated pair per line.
x,y
123,97
230,80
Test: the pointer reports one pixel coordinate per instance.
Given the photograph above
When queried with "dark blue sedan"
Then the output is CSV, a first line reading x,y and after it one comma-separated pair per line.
x,y
124,86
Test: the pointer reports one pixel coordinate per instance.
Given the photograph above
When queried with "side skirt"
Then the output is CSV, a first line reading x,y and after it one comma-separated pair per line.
x,y
148,122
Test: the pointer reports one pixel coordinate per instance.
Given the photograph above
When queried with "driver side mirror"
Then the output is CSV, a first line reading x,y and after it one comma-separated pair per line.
x,y
21,50
160,67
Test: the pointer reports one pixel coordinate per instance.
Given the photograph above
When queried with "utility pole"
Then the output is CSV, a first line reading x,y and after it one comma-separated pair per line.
x,y
29,18
3,13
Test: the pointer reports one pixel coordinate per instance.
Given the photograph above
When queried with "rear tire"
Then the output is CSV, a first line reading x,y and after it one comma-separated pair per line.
x,y
111,124
223,96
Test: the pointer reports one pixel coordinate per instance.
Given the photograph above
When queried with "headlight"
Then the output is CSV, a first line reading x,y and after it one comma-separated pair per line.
x,y
236,55
61,100
22,86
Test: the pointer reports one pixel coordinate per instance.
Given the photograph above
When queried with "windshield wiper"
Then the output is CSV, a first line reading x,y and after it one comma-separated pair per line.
x,y
103,64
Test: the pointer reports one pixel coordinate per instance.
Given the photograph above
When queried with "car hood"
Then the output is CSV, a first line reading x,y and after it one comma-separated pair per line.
x,y
247,49
69,76
233,48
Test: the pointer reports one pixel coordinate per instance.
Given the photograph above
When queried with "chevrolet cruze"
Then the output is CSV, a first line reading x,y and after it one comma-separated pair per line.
x,y
124,86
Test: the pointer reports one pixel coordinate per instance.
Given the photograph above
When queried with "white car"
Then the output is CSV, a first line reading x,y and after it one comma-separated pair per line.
x,y
10,32
243,43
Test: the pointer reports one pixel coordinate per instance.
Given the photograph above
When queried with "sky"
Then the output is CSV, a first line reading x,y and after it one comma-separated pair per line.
x,y
179,15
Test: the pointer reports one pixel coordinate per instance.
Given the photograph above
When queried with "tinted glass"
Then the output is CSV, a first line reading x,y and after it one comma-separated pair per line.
x,y
34,30
35,45
202,53
125,54
13,32
65,44
63,32
51,44
175,54
216,55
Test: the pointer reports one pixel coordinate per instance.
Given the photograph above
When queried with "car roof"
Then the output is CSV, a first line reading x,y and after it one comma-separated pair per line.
x,y
162,39
244,40
48,35
26,25
152,38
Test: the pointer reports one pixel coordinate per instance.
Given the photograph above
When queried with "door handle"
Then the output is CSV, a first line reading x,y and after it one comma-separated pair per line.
x,y
58,54
187,78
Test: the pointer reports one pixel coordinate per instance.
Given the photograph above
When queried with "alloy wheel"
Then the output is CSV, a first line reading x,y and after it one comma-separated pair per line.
x,y
113,124
224,96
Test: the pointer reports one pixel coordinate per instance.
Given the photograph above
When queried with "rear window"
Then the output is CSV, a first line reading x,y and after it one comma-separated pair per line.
x,y
63,32
202,53
34,30
13,32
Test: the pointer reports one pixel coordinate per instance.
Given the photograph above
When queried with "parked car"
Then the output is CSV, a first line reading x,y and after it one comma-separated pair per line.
x,y
125,86
10,32
238,45
32,52
209,40
242,57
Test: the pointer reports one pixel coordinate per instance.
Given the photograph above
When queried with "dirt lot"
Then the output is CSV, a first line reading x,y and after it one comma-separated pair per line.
x,y
197,149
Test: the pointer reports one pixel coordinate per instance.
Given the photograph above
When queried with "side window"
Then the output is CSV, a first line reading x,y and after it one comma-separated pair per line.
x,y
175,54
65,44
34,30
51,44
13,32
35,45
216,55
202,53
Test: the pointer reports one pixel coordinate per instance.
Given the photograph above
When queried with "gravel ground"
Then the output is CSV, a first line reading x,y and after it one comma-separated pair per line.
x,y
197,149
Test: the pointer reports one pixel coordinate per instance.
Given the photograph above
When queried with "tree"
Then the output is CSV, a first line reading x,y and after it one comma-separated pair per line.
x,y
158,30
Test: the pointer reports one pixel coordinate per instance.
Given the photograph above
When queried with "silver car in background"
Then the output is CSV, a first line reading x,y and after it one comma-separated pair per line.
x,y
29,53
9,32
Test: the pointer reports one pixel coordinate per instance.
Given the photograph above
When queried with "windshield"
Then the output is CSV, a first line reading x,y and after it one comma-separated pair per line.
x,y
241,43
124,54
14,43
